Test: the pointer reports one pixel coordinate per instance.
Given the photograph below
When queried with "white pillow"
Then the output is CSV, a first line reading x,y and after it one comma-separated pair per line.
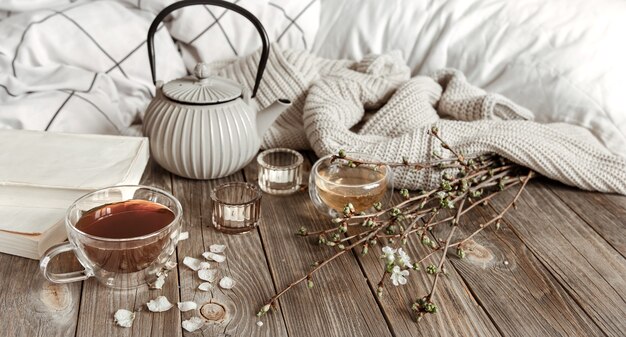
x,y
210,33
81,67
563,59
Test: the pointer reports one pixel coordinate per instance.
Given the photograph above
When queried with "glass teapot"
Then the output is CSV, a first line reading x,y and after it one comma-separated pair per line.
x,y
205,126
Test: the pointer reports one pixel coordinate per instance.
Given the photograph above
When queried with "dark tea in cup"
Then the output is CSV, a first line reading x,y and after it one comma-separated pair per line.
x,y
125,220
124,236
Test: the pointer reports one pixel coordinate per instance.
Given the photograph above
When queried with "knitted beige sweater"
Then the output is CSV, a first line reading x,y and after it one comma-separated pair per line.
x,y
331,96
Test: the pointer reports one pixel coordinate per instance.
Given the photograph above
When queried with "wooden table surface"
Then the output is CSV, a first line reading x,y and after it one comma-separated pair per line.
x,y
555,268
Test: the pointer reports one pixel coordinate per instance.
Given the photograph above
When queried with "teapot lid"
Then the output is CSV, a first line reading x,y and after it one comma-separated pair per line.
x,y
202,88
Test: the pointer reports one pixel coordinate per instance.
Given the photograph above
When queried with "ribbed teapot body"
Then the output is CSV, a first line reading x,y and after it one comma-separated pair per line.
x,y
201,141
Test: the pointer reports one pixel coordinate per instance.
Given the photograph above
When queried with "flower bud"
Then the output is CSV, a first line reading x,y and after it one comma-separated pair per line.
x,y
263,310
364,251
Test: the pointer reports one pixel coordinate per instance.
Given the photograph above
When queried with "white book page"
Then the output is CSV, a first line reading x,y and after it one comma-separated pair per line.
x,y
42,174
29,220
34,158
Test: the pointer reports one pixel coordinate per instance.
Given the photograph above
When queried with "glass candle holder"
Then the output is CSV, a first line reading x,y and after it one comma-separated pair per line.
x,y
280,171
335,183
236,207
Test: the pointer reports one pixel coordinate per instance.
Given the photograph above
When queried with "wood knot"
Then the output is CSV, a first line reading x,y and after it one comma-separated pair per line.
x,y
213,312
477,254
56,297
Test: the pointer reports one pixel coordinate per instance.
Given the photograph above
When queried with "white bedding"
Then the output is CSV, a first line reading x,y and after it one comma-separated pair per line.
x,y
82,66
565,60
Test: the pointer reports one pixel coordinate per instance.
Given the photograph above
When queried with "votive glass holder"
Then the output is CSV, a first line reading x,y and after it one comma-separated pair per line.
x,y
280,171
236,207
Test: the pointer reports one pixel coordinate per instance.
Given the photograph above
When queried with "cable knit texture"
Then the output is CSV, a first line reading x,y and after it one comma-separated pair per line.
x,y
330,97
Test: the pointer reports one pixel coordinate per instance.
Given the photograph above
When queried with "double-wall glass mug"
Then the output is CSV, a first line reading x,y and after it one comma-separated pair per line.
x,y
121,235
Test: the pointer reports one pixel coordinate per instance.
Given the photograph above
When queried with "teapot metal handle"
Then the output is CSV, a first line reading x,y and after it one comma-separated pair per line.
x,y
220,3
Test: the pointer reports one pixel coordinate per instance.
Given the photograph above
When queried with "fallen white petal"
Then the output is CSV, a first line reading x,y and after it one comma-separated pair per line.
x,y
205,286
192,263
259,323
169,265
205,265
217,248
160,281
124,318
183,236
207,274
227,282
215,257
193,324
186,306
159,304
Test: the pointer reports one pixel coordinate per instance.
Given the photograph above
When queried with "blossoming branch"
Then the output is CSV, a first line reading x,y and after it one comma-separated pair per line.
x,y
465,184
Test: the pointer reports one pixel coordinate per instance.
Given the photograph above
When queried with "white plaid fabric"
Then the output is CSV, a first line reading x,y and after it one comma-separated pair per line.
x,y
208,34
82,66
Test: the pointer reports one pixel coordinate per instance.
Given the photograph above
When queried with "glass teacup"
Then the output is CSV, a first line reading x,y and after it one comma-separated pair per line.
x,y
119,262
333,184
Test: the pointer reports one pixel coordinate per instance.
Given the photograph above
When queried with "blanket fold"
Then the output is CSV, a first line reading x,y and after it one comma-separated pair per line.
x,y
331,97
62,72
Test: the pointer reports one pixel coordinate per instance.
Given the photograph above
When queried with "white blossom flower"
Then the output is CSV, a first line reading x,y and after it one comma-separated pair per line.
x,y
403,259
398,276
389,254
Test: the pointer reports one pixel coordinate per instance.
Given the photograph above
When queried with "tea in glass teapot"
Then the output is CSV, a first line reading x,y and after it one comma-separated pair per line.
x,y
205,126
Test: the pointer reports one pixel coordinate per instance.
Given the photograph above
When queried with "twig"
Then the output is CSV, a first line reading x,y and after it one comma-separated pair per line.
x,y
472,183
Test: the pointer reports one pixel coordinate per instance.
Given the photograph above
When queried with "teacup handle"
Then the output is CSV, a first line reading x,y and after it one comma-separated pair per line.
x,y
63,277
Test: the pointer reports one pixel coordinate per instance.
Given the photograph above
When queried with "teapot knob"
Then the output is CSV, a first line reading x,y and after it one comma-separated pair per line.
x,y
202,71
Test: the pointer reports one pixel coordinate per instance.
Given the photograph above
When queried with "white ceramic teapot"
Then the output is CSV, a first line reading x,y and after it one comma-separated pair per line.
x,y
204,126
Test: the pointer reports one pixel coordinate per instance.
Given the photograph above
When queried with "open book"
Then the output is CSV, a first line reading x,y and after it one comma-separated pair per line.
x,y
42,174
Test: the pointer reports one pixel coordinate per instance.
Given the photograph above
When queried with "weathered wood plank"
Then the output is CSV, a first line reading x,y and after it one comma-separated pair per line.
x,y
604,212
592,272
32,306
520,295
459,314
230,312
462,316
340,303
98,303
